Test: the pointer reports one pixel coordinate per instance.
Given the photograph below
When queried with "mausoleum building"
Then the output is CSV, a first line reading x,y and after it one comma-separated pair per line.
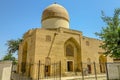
x,y
56,42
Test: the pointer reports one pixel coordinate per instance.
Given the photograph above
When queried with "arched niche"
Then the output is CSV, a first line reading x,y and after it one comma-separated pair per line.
x,y
102,61
89,65
24,58
70,46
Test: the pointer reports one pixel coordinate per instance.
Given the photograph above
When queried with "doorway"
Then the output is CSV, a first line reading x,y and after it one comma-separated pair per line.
x,y
89,68
69,66
47,70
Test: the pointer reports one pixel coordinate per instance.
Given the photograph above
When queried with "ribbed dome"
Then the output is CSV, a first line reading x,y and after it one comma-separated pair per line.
x,y
55,11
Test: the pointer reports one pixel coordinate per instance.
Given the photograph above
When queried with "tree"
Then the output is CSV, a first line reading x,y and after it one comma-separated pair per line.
x,y
8,57
110,34
13,45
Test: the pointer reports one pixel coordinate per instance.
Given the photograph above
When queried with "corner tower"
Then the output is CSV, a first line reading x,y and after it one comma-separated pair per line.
x,y
55,16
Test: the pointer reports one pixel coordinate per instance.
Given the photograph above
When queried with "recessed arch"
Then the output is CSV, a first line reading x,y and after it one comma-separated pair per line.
x,y
89,65
71,39
24,57
72,52
102,61
70,45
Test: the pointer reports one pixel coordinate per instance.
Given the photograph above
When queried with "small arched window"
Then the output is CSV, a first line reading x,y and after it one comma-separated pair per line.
x,y
87,43
48,38
69,50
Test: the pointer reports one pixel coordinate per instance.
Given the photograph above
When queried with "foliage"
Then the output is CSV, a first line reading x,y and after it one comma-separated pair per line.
x,y
8,57
13,45
111,34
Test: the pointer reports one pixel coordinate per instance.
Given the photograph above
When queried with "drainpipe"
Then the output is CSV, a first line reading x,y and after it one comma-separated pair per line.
x,y
52,44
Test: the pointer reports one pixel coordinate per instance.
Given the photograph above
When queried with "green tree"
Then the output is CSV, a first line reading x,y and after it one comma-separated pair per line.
x,y
9,57
111,34
13,45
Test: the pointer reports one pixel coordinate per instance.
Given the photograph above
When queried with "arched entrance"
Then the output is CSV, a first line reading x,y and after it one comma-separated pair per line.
x,y
102,61
73,55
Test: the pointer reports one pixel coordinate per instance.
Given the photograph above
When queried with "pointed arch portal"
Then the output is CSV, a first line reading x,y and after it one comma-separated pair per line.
x,y
73,54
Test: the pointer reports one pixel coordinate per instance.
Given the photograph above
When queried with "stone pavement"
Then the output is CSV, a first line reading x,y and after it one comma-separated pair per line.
x,y
89,77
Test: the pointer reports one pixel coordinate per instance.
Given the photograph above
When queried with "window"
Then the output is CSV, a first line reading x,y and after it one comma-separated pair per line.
x,y
69,50
48,38
69,66
87,43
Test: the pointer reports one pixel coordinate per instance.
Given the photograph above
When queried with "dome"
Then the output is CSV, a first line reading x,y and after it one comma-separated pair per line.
x,y
55,16
55,11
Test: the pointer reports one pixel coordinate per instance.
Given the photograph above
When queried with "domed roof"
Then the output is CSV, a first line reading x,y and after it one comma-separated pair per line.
x,y
55,11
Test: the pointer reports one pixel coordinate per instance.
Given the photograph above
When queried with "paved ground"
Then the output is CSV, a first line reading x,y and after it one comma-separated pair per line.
x,y
89,77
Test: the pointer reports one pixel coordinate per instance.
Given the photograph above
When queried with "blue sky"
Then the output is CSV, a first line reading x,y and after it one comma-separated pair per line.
x,y
18,16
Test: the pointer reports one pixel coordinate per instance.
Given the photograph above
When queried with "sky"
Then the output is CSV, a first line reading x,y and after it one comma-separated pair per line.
x,y
18,16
